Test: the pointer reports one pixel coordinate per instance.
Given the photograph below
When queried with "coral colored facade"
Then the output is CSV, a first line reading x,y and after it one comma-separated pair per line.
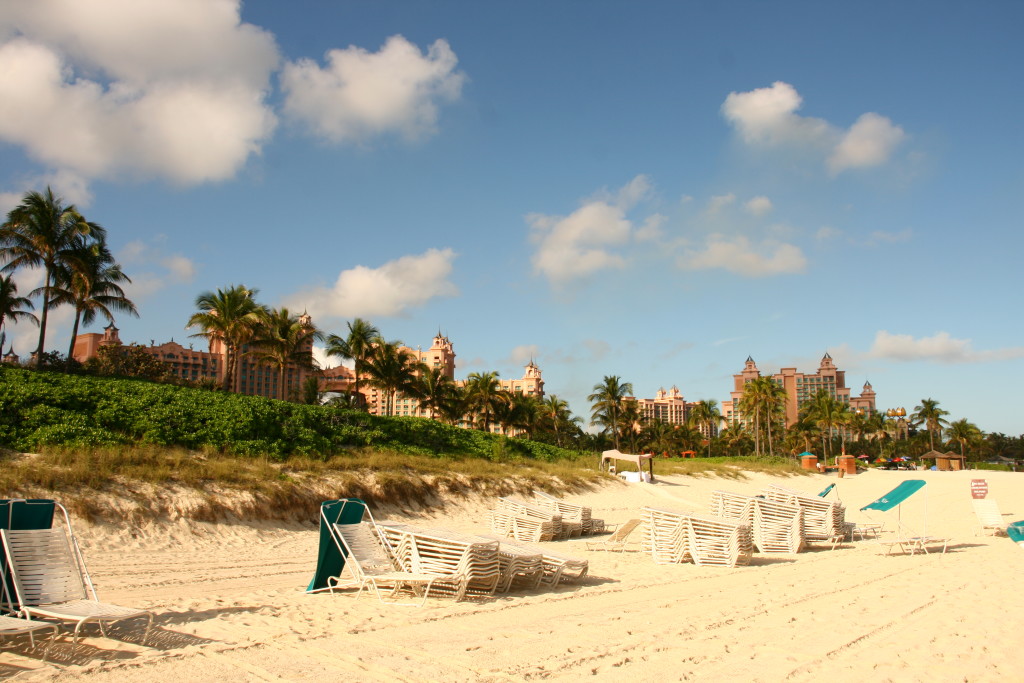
x,y
800,388
251,377
441,355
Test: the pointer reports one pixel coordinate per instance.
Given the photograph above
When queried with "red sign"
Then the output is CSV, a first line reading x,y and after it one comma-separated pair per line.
x,y
979,488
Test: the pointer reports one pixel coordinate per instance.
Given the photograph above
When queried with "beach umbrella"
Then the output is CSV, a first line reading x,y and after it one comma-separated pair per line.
x,y
863,457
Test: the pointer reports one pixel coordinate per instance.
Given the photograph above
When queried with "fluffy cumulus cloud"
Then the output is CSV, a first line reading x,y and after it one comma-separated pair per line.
x,y
768,117
587,240
390,290
152,269
143,87
869,142
358,94
940,347
738,254
758,206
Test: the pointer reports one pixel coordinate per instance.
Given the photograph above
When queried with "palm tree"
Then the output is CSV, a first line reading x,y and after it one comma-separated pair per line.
x,y
763,399
963,432
631,423
92,286
229,317
827,413
517,414
283,340
357,347
606,403
12,306
434,390
484,393
859,425
932,416
801,434
706,415
456,407
555,415
736,439
392,368
44,232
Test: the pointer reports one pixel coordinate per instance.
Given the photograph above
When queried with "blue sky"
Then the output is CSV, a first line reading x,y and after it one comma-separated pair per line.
x,y
654,190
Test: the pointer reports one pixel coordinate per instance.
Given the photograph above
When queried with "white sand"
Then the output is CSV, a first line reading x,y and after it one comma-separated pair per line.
x,y
231,606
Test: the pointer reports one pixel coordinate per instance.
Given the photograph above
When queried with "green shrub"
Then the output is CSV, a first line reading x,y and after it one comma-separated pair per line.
x,y
56,409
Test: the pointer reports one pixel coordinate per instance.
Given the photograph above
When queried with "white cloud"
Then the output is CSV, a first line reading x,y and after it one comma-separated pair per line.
x,y
599,349
767,117
147,88
719,202
360,94
759,206
583,242
881,237
869,142
390,290
739,255
940,347
521,355
827,232
151,269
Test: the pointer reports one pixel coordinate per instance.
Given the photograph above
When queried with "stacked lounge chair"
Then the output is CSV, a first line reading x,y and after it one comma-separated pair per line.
x,y
523,521
824,520
558,568
441,551
719,542
371,564
572,514
777,527
665,535
674,537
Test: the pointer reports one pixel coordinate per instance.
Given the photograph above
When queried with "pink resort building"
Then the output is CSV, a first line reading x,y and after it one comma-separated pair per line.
x,y
441,354
251,378
800,387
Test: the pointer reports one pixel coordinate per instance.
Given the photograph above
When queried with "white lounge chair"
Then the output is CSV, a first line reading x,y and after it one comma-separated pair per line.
x,y
12,626
50,581
617,541
370,564
989,517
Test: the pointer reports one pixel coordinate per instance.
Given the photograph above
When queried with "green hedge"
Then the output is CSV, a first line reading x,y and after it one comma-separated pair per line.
x,y
46,408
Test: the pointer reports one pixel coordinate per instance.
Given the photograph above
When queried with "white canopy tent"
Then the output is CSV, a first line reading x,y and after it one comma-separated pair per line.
x,y
609,457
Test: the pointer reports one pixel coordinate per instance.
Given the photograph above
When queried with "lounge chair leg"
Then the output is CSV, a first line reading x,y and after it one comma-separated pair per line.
x,y
149,627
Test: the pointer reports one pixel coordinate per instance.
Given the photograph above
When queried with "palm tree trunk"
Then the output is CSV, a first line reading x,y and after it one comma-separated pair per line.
x,y
280,388
74,334
42,320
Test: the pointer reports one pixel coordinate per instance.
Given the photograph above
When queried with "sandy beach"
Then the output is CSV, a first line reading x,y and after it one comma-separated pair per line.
x,y
231,606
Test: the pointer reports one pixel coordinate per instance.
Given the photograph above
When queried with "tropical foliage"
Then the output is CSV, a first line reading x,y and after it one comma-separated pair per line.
x,y
607,401
44,232
39,409
229,317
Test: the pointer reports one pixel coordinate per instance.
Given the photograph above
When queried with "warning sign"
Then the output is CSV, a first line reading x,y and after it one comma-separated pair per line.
x,y
979,488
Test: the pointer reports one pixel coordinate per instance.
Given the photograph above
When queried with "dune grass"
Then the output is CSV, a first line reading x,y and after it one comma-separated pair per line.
x,y
148,482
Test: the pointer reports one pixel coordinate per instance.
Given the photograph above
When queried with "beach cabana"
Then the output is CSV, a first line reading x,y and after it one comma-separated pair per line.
x,y
946,462
608,459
